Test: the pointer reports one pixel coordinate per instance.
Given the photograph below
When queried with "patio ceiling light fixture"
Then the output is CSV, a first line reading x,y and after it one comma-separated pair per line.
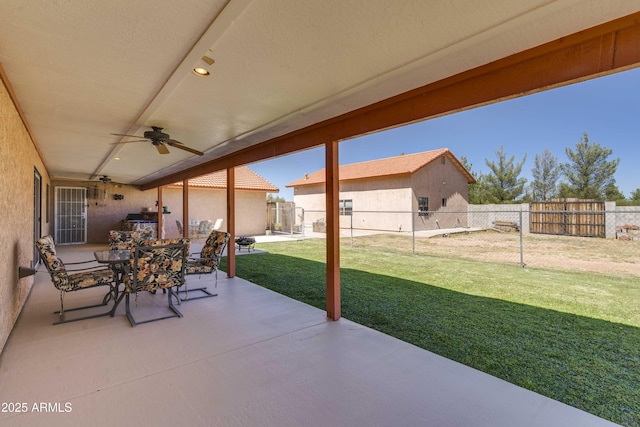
x,y
202,72
199,71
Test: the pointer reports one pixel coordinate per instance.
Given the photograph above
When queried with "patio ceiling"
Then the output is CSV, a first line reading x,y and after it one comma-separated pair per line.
x,y
83,70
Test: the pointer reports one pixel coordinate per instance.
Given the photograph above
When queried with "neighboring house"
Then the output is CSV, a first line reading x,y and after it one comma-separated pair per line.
x,y
207,201
381,194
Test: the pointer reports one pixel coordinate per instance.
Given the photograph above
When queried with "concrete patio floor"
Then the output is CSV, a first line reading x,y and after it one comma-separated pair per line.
x,y
248,357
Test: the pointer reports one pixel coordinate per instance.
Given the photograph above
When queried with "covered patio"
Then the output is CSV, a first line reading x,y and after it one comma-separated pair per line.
x,y
249,357
239,82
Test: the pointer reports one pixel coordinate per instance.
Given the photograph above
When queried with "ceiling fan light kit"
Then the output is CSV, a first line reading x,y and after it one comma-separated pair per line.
x,y
156,134
160,140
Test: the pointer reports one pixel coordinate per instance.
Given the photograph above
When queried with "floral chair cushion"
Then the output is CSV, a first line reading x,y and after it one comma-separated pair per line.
x,y
210,255
125,239
122,240
157,264
64,281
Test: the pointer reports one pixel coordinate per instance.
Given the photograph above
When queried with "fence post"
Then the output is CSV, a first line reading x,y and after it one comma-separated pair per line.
x,y
521,247
610,220
351,227
413,233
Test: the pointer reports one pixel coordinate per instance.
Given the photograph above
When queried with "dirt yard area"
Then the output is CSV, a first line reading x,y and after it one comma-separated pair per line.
x,y
607,256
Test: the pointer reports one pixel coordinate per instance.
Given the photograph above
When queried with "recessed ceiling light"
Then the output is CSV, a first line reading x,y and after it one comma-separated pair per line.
x,y
200,71
116,158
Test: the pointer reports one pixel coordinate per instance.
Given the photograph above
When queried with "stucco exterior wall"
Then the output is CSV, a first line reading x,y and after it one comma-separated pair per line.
x,y
310,198
18,159
391,195
250,215
439,181
389,203
104,214
369,198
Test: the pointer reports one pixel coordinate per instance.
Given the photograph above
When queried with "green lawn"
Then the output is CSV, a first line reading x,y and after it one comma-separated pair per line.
x,y
574,337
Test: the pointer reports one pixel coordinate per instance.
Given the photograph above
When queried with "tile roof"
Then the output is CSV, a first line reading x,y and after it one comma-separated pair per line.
x,y
399,165
246,179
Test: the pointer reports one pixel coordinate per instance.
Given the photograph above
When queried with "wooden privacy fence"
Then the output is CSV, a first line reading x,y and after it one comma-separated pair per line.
x,y
281,216
568,217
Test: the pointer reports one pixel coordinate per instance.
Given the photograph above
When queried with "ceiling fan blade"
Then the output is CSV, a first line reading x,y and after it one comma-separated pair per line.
x,y
126,142
172,141
180,145
162,149
130,136
185,148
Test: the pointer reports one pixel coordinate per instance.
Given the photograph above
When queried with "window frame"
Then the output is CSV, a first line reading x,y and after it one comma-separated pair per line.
x,y
345,207
423,206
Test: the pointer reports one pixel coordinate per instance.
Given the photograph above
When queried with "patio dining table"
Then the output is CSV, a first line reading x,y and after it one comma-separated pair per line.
x,y
117,259
112,256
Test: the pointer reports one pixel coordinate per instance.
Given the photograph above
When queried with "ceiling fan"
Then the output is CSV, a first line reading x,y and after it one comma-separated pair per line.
x,y
160,140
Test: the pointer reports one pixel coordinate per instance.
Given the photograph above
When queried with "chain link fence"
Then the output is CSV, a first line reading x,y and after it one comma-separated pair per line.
x,y
484,233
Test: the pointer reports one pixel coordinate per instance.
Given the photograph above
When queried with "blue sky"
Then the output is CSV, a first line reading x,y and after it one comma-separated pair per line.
x,y
607,108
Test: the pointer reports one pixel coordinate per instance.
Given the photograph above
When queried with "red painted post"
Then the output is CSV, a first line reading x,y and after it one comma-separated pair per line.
x,y
332,190
231,222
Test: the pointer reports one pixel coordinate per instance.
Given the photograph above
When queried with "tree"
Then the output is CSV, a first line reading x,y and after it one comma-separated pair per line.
x,y
635,195
565,191
271,199
588,171
546,172
504,184
613,193
527,196
478,192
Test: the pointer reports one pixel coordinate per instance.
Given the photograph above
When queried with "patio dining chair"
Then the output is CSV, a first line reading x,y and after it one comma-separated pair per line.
x,y
192,230
155,264
207,262
74,280
124,239
205,228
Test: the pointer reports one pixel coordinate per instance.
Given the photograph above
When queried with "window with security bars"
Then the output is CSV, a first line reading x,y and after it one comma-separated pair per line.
x,y
346,207
423,206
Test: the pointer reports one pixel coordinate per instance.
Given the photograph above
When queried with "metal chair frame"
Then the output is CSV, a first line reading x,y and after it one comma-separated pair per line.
x,y
216,261
65,276
138,277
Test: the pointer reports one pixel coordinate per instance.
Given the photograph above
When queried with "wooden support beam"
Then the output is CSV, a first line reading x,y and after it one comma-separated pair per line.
x,y
231,222
332,190
185,208
604,49
160,218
